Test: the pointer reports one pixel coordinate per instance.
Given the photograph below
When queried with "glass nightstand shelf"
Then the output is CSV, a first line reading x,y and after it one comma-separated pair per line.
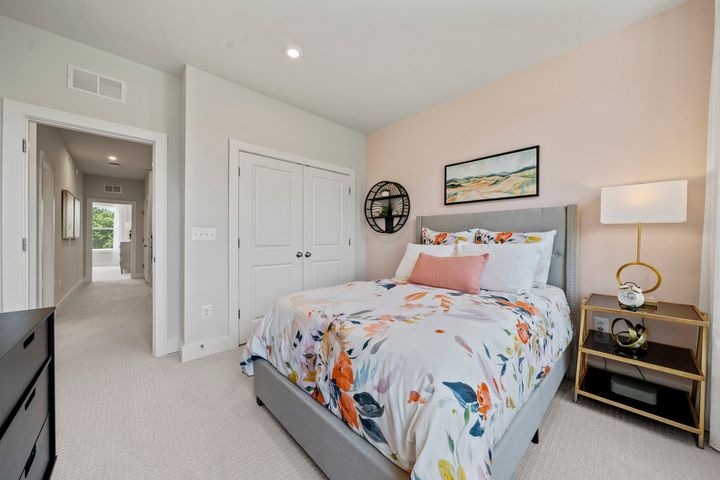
x,y
675,407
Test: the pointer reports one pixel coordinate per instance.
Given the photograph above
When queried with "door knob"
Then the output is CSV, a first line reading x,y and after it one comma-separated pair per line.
x,y
307,254
298,254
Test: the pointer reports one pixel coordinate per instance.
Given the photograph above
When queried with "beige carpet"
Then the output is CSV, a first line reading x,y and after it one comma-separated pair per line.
x,y
108,274
123,414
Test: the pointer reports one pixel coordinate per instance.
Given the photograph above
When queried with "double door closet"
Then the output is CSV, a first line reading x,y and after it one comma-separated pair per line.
x,y
295,228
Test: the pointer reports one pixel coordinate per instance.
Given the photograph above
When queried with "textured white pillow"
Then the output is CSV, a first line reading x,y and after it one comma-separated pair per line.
x,y
510,268
411,255
545,239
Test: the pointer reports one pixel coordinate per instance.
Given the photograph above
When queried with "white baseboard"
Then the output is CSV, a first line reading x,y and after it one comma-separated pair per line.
x,y
69,294
207,347
137,275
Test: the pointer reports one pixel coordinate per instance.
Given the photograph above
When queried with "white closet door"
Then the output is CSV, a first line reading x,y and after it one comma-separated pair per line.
x,y
270,251
327,227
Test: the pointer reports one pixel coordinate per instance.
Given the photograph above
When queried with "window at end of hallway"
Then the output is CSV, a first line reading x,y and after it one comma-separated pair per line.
x,y
103,220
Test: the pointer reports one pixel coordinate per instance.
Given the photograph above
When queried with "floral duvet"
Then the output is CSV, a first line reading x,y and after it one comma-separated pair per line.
x,y
430,377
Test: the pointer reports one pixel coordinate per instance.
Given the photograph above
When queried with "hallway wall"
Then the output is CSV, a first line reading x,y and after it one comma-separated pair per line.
x,y
68,253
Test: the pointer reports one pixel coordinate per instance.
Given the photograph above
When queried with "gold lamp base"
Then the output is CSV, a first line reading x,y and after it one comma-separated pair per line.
x,y
641,264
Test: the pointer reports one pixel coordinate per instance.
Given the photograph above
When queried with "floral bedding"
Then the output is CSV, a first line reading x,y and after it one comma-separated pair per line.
x,y
431,377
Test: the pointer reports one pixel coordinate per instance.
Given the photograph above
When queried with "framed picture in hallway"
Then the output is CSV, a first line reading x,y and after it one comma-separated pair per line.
x,y
512,174
68,215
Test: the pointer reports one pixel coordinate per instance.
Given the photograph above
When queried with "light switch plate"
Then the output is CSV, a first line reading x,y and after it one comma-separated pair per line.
x,y
206,311
203,233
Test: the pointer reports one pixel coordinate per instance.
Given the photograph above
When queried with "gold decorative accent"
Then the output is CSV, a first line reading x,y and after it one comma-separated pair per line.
x,y
642,264
635,337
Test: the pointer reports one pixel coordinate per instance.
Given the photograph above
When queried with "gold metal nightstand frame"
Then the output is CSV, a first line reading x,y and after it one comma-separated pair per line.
x,y
688,315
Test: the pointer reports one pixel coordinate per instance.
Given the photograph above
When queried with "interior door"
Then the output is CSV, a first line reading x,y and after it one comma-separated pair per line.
x,y
326,229
270,250
147,229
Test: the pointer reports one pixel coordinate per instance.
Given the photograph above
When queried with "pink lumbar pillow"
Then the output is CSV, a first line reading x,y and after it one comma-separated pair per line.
x,y
453,273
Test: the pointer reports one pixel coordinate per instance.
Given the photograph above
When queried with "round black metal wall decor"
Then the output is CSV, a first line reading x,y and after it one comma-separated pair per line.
x,y
387,207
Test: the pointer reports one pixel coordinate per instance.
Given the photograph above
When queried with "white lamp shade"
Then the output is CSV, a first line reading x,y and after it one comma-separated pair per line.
x,y
660,202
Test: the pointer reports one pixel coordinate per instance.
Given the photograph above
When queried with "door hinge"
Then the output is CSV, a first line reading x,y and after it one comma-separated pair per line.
x,y
24,146
238,242
238,171
24,244
349,242
349,190
238,313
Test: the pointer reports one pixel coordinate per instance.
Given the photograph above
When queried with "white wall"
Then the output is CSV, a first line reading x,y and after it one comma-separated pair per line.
x,y
33,69
68,252
215,111
132,190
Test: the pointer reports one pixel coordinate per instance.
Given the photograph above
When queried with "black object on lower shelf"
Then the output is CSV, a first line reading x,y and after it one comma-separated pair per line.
x,y
672,404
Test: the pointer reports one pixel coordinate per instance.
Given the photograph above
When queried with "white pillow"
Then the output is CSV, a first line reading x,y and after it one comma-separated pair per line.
x,y
411,255
544,239
510,268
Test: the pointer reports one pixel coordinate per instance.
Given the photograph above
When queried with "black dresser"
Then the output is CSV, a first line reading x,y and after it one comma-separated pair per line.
x,y
27,394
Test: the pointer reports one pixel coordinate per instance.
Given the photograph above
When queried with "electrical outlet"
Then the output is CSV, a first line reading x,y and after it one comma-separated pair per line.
x,y
203,233
206,311
601,324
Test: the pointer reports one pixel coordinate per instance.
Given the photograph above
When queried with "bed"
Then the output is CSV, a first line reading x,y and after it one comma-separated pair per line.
x,y
346,370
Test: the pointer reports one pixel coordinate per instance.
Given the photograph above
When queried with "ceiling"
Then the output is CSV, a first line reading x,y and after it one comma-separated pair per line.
x,y
90,154
365,64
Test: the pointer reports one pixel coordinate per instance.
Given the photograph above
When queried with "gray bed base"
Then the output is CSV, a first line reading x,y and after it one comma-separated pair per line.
x,y
343,455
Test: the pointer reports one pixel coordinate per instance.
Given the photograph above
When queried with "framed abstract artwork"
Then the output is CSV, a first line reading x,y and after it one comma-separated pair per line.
x,y
512,174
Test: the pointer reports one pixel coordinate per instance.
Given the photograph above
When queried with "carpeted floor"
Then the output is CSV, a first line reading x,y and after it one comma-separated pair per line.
x,y
109,274
123,414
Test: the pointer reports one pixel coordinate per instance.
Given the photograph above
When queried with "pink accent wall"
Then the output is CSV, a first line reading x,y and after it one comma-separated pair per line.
x,y
627,108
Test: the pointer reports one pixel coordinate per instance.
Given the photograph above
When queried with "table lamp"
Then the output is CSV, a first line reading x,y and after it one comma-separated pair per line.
x,y
660,202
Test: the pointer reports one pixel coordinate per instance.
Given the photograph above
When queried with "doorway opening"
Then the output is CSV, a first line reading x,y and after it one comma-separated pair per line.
x,y
89,226
23,278
111,237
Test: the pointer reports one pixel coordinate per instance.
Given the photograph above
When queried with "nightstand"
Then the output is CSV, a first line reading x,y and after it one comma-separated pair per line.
x,y
674,407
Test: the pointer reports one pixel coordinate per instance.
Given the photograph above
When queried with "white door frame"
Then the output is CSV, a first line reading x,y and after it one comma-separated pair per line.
x,y
88,231
18,207
234,148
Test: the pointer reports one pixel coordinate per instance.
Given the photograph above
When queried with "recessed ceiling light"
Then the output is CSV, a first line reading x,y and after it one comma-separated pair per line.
x,y
293,51
112,157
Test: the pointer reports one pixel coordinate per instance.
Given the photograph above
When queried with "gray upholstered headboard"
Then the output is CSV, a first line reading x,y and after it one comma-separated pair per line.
x,y
563,219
